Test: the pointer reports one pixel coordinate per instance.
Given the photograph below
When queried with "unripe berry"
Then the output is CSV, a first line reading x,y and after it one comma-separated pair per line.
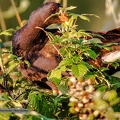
x,y
72,110
110,95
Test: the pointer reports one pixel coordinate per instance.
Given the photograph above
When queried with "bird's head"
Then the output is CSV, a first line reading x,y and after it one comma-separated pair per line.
x,y
55,14
48,14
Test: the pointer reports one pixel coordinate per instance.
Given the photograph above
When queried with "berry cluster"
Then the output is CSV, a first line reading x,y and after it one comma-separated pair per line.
x,y
88,103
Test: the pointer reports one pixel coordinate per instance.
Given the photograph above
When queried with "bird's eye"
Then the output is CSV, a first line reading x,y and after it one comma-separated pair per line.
x,y
53,9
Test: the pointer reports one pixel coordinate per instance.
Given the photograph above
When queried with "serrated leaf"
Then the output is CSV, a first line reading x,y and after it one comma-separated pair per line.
x,y
39,102
91,54
79,70
55,76
66,62
63,86
33,100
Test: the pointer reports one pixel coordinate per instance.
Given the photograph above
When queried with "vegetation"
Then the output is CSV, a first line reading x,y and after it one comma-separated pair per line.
x,y
89,93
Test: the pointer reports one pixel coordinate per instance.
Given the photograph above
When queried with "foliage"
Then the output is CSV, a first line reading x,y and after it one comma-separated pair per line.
x,y
34,103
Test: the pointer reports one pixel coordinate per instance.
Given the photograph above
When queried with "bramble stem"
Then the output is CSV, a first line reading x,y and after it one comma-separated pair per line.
x,y
16,13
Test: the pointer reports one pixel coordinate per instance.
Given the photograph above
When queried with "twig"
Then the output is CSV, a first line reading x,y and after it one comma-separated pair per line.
x,y
20,95
6,84
50,39
2,22
4,75
64,3
16,13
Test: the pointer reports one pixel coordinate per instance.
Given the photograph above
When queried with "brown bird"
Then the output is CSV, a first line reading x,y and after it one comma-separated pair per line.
x,y
32,44
108,56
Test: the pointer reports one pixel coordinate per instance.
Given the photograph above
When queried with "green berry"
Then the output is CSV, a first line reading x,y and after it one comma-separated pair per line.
x,y
115,101
72,104
110,95
101,104
72,110
90,117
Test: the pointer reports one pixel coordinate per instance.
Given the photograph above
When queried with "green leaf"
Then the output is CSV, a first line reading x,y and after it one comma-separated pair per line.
x,y
93,40
3,96
46,118
51,36
103,69
79,70
11,57
37,117
85,34
33,117
83,17
41,103
70,8
7,32
71,21
66,61
5,116
27,63
34,100
115,82
91,54
97,36
63,86
55,76
115,64
12,65
91,15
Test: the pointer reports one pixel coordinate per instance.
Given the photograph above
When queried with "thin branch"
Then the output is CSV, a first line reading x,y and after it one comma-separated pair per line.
x,y
65,3
50,39
16,13
6,84
2,22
